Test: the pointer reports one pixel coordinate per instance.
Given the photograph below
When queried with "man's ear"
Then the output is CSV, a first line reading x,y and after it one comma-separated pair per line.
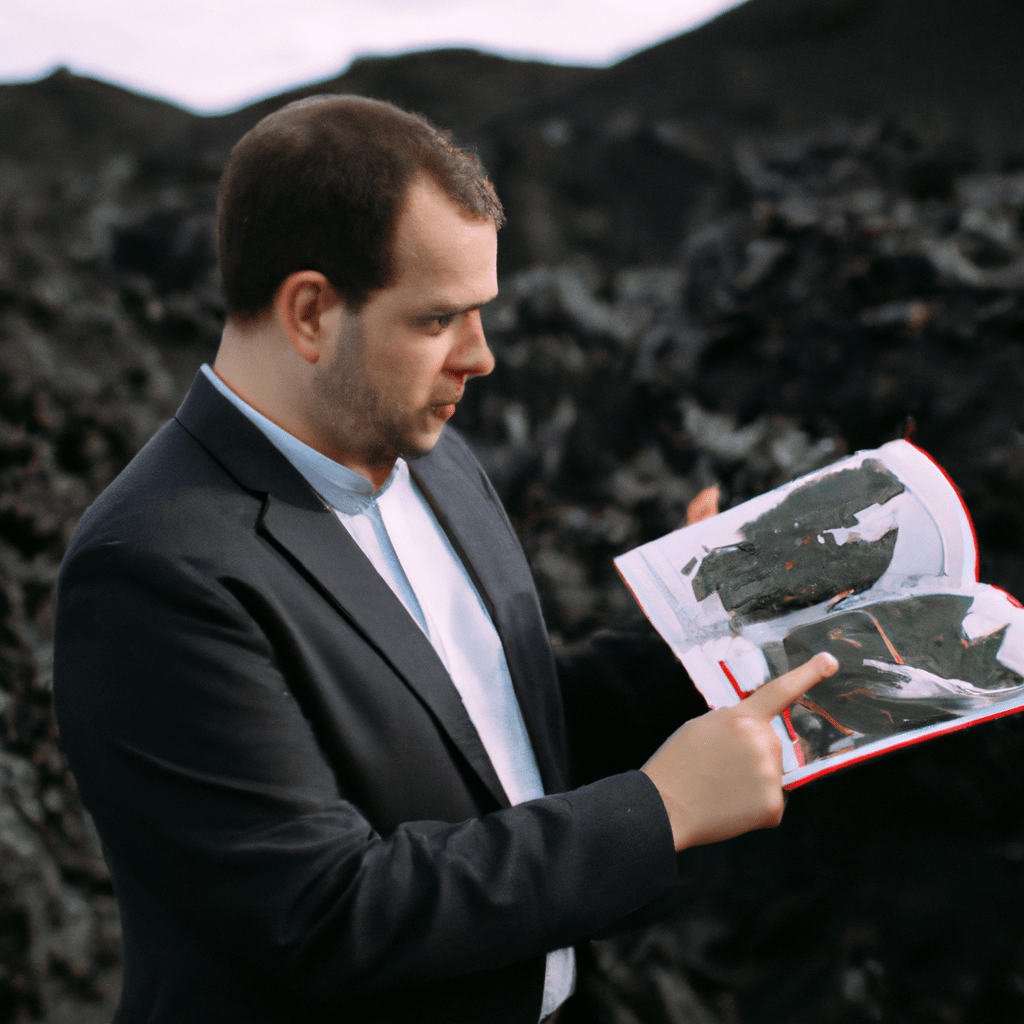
x,y
302,302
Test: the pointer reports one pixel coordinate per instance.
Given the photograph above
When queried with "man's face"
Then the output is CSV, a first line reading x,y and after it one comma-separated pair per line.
x,y
390,376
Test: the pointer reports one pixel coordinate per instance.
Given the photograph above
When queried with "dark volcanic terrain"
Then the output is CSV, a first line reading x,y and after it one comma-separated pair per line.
x,y
792,233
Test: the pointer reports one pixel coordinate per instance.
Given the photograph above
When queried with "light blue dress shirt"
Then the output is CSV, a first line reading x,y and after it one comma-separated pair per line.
x,y
398,532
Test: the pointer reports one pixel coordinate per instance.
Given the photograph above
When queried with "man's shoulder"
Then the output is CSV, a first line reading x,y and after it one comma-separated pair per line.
x,y
171,489
207,467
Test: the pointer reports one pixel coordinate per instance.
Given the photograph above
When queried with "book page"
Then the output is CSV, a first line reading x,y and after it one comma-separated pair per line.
x,y
873,559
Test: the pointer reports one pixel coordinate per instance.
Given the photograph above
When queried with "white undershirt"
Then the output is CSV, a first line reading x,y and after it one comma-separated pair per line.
x,y
454,618
397,530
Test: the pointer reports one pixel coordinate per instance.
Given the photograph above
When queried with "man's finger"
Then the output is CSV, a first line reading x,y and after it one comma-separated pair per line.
x,y
704,506
776,695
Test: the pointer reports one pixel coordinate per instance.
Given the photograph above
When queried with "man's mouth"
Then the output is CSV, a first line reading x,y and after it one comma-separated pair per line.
x,y
444,412
446,409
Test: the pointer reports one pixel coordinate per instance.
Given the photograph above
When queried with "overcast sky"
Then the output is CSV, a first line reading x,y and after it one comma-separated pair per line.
x,y
213,55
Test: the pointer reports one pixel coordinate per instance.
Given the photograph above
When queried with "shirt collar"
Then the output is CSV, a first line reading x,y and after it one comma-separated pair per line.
x,y
342,488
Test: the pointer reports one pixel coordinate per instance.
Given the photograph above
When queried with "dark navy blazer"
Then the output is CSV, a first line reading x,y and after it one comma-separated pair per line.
x,y
300,819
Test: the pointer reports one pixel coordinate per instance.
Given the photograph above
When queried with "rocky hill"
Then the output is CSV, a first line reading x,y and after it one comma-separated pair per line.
x,y
729,259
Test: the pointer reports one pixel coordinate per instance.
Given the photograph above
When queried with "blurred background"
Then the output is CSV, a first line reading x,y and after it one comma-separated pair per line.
x,y
734,253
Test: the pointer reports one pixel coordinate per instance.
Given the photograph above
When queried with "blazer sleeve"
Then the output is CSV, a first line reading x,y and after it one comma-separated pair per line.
x,y
624,693
209,788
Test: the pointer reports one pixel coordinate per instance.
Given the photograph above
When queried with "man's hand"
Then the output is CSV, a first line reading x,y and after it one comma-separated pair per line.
x,y
704,506
721,774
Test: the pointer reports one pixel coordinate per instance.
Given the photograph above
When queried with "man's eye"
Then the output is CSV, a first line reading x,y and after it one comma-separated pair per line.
x,y
444,322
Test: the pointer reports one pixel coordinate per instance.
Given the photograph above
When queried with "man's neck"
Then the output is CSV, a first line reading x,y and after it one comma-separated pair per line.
x,y
376,473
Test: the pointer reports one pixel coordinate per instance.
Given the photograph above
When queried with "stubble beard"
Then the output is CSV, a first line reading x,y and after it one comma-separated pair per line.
x,y
362,419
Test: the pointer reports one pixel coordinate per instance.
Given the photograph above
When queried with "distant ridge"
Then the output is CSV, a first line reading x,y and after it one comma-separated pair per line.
x,y
797,61
460,89
69,119
765,63
615,161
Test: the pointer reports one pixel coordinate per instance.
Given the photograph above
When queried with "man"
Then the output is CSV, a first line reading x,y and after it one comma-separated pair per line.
x,y
301,673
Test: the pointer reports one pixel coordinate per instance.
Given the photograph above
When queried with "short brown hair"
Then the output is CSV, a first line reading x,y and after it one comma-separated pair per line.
x,y
319,184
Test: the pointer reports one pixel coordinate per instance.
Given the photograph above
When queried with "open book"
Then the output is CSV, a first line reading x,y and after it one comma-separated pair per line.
x,y
873,559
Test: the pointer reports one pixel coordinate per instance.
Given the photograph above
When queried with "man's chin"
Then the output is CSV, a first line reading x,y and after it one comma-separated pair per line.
x,y
417,448
415,438
419,453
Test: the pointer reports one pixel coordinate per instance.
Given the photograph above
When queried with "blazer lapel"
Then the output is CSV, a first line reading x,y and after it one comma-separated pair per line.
x,y
300,523
471,513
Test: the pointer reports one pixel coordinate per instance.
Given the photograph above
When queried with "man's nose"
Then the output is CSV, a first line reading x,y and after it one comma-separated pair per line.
x,y
471,356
